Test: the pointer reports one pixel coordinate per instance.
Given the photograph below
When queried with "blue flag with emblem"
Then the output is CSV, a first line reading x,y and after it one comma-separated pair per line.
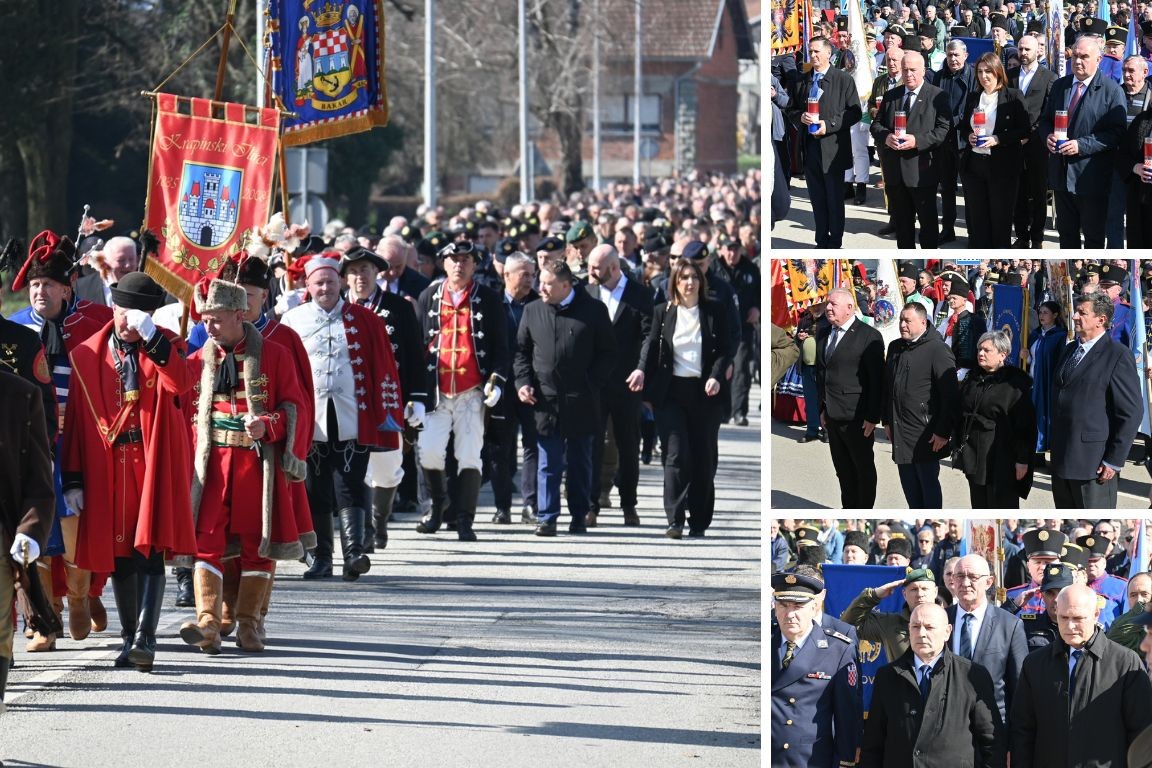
x,y
843,584
1008,316
1132,42
326,59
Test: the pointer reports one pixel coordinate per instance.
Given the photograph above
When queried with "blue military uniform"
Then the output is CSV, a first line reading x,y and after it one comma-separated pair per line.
x,y
1113,590
1041,542
1112,67
1039,628
1122,324
816,704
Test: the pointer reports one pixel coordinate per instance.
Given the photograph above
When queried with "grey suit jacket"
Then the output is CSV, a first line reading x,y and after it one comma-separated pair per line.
x,y
89,287
1000,648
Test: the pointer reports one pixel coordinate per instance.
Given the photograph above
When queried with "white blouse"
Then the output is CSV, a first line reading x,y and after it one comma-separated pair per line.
x,y
988,104
687,342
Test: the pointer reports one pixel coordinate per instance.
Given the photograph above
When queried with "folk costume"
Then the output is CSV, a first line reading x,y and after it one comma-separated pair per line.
x,y
467,359
358,409
241,497
53,257
126,449
386,468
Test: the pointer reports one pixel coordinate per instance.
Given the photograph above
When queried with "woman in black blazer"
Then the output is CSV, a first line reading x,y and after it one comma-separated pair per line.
x,y
682,369
991,173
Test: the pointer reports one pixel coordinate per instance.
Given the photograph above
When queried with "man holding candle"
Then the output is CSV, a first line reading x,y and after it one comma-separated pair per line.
x,y
831,107
1034,81
1083,124
913,121
1134,164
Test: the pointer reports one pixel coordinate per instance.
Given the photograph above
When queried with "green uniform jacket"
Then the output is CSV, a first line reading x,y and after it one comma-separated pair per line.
x,y
1124,632
888,629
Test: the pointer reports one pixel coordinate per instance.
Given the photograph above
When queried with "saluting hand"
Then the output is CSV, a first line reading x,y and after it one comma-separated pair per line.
x,y
887,589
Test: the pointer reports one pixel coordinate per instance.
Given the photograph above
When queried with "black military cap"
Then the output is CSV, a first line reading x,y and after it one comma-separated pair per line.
x,y
998,21
958,30
1110,274
1056,576
841,23
411,234
461,248
1091,26
1092,268
550,245
1095,546
795,588
1074,556
959,287
246,270
431,243
811,554
695,251
1036,25
137,290
1043,542
912,43
807,535
895,29
655,243
899,546
313,244
530,226
909,270
504,248
927,30
1116,35
856,539
360,253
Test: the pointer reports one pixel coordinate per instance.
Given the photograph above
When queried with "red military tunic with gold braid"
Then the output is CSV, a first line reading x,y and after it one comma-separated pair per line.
x,y
457,370
278,333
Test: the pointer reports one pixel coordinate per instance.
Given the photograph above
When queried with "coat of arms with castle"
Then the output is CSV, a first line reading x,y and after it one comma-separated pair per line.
x,y
330,66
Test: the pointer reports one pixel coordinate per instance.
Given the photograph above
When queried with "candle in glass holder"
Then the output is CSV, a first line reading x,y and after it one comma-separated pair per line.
x,y
1060,129
979,123
900,127
814,113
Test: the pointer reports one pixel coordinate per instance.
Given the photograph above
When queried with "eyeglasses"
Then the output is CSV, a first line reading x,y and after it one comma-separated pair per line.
x,y
970,576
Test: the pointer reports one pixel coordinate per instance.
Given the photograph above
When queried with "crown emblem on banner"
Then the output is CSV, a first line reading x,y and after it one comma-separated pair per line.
x,y
328,14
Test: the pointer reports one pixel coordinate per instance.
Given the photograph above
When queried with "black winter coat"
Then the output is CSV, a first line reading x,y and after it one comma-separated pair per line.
x,y
959,726
920,396
997,428
656,359
1109,707
566,354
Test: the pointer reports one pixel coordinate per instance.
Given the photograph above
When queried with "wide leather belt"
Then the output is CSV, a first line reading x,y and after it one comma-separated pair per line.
x,y
129,436
230,438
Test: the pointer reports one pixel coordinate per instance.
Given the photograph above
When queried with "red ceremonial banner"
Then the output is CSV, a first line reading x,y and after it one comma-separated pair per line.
x,y
209,182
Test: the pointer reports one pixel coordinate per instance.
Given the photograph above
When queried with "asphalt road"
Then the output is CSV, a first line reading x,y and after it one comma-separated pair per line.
x,y
618,648
803,478
863,221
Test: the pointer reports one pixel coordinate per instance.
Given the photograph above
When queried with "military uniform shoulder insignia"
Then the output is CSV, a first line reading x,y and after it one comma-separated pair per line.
x,y
838,635
40,368
1027,616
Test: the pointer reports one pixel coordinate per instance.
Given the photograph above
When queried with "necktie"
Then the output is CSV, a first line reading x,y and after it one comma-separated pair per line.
x,y
966,637
1074,361
789,652
832,342
907,102
1075,99
925,681
1075,668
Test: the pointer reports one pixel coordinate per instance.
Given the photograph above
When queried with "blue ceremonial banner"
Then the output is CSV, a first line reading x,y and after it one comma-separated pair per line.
x,y
1132,42
1140,557
977,46
327,66
1008,316
1139,338
844,583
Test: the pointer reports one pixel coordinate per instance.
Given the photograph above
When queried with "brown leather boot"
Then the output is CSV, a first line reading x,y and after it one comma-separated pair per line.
x,y
205,631
260,631
79,615
249,600
228,607
98,613
41,643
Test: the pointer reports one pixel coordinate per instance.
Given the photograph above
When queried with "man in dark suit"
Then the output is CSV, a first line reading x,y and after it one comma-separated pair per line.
x,y
1082,700
932,707
399,278
957,78
1080,169
1035,82
984,634
828,149
630,310
816,706
908,162
1096,410
849,377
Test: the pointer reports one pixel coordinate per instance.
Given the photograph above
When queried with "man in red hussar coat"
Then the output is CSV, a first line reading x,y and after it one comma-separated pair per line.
x,y
126,450
250,443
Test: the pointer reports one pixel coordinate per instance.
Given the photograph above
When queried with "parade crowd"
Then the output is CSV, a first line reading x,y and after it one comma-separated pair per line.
x,y
330,380
948,389
969,97
1052,671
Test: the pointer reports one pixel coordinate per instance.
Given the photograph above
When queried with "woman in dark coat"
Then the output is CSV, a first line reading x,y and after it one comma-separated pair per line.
x,y
682,372
1138,193
990,171
996,433
1045,343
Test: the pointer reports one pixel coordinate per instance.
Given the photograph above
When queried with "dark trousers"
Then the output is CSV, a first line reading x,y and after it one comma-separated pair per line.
x,y
986,497
1084,494
988,202
826,191
948,160
1114,229
502,457
335,481
811,400
556,452
1032,194
742,373
1078,213
690,454
921,484
1139,222
855,462
909,204
623,407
